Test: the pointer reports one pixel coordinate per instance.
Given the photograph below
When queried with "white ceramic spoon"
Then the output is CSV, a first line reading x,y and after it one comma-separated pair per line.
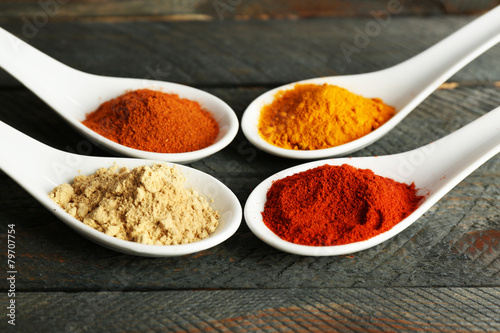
x,y
435,169
73,94
403,86
39,168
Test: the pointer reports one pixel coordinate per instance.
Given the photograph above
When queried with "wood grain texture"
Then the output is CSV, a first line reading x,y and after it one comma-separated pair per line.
x,y
220,10
271,53
69,284
454,244
273,310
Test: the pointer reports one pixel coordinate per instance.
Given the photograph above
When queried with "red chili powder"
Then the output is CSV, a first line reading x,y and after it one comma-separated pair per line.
x,y
154,121
335,205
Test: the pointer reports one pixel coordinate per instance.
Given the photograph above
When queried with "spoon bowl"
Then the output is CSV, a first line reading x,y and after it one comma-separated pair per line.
x,y
435,169
73,94
403,86
39,168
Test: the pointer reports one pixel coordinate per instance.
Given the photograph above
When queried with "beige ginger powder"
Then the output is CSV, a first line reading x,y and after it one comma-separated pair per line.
x,y
148,205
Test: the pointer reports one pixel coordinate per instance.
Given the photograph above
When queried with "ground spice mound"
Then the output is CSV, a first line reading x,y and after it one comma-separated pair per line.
x,y
148,205
312,116
154,121
335,205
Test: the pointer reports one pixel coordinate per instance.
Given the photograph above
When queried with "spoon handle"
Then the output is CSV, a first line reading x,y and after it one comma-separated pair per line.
x,y
53,81
435,65
441,165
26,160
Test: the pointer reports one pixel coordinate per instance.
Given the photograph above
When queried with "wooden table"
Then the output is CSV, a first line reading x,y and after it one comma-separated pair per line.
x,y
440,274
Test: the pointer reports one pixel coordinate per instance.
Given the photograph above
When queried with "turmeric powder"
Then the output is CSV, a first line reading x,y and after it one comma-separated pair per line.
x,y
312,116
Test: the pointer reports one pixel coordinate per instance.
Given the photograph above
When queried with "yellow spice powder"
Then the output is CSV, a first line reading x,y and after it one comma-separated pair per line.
x,y
311,116
148,205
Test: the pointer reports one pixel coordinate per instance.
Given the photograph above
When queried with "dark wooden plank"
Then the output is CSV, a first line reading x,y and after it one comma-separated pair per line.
x,y
243,284
468,7
454,244
274,310
226,9
254,53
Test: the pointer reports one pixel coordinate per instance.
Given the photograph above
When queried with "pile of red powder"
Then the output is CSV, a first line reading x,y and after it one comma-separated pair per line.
x,y
154,121
335,205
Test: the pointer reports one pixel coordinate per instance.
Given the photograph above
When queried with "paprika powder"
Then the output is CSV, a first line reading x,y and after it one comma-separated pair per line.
x,y
311,116
154,121
335,205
